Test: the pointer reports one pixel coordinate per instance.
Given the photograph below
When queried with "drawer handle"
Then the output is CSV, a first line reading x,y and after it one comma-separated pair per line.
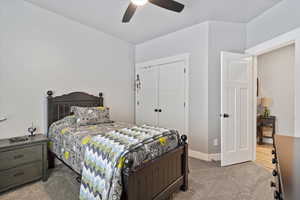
x,y
273,152
18,156
19,174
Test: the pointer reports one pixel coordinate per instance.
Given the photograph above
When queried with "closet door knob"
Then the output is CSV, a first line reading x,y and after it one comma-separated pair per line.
x,y
159,110
156,110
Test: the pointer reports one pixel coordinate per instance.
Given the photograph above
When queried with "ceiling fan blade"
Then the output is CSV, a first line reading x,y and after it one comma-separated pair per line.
x,y
129,13
168,4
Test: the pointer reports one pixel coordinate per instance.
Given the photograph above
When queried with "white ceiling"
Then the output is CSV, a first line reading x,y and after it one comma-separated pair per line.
x,y
151,21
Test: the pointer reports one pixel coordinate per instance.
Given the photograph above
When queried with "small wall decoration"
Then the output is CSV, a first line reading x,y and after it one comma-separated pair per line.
x,y
138,83
31,130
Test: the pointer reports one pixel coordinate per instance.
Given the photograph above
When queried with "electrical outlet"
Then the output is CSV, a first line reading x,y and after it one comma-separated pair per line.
x,y
216,142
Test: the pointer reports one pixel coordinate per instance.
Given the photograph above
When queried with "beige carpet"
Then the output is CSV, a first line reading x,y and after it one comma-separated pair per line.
x,y
246,181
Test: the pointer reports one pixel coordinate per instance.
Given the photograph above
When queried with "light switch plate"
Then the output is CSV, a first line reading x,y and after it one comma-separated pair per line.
x,y
216,142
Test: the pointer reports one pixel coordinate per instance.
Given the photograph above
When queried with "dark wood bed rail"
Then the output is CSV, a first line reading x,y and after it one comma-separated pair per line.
x,y
156,180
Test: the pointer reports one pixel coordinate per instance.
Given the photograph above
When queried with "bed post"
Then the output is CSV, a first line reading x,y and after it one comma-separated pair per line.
x,y
51,156
185,166
127,190
50,110
101,98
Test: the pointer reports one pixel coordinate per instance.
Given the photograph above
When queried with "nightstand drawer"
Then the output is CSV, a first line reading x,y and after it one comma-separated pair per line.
x,y
13,158
20,175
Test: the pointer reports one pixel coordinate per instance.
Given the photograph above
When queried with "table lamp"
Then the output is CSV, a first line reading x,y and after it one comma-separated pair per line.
x,y
266,103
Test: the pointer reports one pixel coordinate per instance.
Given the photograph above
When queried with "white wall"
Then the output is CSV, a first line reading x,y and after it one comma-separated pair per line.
x,y
280,19
276,71
193,40
40,50
223,36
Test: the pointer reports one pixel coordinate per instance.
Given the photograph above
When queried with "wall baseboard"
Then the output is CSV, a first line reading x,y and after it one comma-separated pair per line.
x,y
204,156
215,157
198,155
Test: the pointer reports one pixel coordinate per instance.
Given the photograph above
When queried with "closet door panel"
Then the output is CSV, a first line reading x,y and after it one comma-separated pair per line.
x,y
146,96
171,96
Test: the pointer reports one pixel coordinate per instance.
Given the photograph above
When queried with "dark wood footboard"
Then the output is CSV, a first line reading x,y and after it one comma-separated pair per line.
x,y
160,178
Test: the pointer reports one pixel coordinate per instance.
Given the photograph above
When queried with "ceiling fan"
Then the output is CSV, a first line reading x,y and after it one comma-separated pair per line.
x,y
167,4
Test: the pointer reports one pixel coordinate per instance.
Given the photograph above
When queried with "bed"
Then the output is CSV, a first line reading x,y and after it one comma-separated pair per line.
x,y
158,178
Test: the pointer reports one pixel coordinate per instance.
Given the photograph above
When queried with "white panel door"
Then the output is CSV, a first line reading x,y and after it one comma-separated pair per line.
x,y
172,96
236,100
146,96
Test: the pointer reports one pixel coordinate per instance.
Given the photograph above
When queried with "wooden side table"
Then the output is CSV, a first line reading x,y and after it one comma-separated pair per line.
x,y
265,122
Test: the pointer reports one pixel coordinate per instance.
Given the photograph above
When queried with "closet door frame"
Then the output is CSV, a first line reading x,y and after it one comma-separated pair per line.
x,y
177,58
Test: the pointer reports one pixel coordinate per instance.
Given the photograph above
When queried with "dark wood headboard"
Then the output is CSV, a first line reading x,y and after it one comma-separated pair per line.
x,y
59,106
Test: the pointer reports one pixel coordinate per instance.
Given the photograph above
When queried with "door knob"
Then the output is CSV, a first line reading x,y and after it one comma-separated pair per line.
x,y
156,110
225,115
160,110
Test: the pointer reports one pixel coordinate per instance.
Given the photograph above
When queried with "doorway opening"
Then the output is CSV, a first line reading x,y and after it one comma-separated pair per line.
x,y
275,100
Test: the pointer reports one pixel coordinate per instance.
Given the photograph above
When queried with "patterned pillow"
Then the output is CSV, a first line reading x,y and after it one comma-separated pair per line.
x,y
90,115
70,120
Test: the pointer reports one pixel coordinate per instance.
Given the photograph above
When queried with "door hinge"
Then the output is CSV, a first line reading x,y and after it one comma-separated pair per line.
x,y
184,70
184,104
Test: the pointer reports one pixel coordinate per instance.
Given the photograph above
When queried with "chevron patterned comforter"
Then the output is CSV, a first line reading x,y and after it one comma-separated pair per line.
x,y
106,154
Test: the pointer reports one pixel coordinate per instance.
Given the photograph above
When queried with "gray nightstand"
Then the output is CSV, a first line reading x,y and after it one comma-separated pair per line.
x,y
23,162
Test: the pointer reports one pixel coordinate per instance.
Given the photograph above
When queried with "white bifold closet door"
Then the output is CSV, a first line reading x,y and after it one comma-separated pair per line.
x,y
171,96
147,97
160,100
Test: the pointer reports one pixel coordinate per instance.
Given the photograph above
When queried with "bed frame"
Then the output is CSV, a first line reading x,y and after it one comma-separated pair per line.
x,y
156,180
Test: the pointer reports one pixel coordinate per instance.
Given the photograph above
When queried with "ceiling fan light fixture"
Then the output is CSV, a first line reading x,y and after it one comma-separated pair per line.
x,y
171,5
139,2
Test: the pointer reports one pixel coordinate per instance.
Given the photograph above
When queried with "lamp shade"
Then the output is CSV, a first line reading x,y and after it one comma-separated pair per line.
x,y
266,102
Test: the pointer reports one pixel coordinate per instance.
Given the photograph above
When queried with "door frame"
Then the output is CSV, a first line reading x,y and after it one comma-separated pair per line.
x,y
166,60
292,37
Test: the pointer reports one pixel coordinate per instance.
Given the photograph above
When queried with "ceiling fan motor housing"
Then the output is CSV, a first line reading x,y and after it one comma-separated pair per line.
x,y
166,4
